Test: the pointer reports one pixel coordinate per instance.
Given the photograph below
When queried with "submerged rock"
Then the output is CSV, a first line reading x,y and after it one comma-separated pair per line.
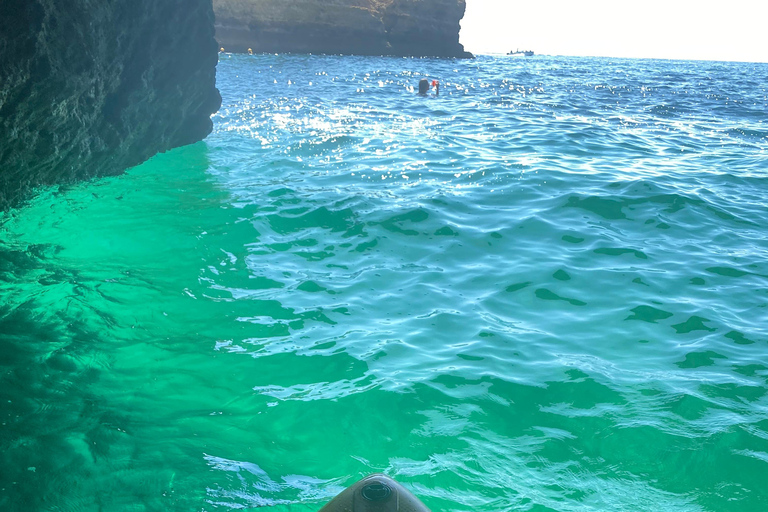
x,y
90,88
358,27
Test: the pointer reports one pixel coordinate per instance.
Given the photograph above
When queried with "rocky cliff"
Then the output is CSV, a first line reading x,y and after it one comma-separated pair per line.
x,y
90,87
360,27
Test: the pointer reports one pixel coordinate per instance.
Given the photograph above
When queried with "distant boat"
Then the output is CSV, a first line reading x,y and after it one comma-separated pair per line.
x,y
527,53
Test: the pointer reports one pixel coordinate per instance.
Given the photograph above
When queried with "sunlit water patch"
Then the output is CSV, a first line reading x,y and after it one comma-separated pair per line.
x,y
544,290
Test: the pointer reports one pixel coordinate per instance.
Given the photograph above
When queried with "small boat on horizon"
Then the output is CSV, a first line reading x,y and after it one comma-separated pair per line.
x,y
527,53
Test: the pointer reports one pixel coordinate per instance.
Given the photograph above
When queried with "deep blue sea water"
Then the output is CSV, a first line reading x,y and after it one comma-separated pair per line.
x,y
544,290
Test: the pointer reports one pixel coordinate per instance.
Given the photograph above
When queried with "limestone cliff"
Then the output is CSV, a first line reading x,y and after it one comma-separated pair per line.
x,y
90,87
359,27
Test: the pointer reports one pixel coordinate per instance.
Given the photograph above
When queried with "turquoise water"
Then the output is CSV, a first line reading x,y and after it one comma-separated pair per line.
x,y
545,290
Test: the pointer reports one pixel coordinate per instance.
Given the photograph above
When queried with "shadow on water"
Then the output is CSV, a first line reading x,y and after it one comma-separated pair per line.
x,y
48,413
69,439
145,337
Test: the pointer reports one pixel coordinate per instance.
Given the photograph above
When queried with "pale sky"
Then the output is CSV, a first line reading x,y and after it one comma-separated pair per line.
x,y
666,29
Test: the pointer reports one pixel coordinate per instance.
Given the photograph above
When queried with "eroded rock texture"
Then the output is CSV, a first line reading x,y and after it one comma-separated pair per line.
x,y
359,27
92,87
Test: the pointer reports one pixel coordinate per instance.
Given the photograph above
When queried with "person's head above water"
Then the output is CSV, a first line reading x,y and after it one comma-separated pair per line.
x,y
423,86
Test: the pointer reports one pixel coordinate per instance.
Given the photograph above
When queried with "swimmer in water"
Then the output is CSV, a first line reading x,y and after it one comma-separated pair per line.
x,y
424,87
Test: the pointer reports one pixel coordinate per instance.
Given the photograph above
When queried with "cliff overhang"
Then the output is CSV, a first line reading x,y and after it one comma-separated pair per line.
x,y
92,88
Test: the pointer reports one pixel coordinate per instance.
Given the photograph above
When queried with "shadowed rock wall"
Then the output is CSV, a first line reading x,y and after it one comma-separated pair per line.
x,y
92,87
359,27
420,27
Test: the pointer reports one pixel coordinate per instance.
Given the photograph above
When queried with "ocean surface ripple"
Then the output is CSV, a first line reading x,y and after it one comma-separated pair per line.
x,y
544,290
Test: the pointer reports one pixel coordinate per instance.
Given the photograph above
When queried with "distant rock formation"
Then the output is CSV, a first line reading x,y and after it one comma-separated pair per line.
x,y
92,88
359,27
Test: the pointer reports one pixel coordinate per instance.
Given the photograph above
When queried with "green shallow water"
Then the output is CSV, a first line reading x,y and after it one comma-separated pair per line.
x,y
543,291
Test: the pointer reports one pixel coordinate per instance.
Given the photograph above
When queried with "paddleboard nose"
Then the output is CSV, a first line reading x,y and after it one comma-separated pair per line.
x,y
375,493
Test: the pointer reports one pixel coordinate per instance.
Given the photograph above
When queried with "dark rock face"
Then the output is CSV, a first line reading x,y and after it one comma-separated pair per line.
x,y
358,27
430,28
92,87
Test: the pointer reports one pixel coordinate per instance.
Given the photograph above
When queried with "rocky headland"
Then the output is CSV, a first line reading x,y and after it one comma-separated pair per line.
x,y
90,88
428,28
